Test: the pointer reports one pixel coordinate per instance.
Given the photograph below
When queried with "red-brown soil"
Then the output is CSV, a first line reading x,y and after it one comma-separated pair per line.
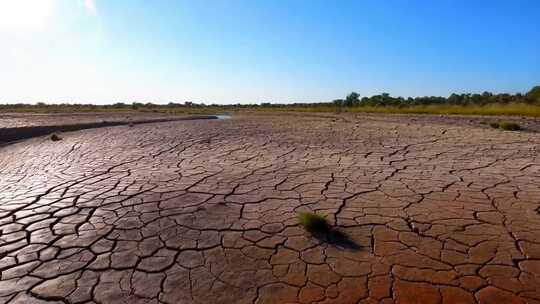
x,y
427,210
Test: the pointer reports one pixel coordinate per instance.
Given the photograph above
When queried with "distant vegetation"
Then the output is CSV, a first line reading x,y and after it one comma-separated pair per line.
x,y
385,100
483,104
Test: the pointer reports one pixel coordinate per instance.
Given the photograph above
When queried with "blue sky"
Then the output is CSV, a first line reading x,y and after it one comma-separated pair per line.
x,y
105,51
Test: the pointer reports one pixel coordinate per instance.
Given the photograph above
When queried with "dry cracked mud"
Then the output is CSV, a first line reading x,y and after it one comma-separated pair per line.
x,y
205,212
25,120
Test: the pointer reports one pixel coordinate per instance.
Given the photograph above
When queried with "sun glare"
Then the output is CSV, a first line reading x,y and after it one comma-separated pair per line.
x,y
25,15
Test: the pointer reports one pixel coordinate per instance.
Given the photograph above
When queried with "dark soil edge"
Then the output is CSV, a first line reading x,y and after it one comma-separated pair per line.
x,y
9,135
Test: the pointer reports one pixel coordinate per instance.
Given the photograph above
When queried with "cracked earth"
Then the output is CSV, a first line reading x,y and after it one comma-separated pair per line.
x,y
205,212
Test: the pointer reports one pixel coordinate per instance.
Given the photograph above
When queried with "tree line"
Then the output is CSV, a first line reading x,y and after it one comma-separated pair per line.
x,y
352,100
355,100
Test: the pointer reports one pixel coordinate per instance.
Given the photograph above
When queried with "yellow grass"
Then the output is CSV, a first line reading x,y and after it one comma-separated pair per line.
x,y
491,109
519,109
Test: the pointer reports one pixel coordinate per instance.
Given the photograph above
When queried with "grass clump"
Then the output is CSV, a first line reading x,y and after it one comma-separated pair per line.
x,y
313,222
505,125
509,126
494,125
55,137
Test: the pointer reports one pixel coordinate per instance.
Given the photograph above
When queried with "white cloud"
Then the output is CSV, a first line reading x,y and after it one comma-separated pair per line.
x,y
90,5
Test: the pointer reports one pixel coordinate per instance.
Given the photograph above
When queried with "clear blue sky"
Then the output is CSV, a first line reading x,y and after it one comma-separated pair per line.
x,y
105,51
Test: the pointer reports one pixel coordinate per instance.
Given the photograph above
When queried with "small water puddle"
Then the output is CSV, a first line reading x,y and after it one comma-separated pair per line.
x,y
223,116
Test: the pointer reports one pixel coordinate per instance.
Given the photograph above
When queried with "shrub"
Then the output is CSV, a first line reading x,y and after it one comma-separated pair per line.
x,y
509,126
494,124
55,137
534,94
313,222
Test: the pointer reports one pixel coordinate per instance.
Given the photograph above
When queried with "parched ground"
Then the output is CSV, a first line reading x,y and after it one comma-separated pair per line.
x,y
22,120
205,212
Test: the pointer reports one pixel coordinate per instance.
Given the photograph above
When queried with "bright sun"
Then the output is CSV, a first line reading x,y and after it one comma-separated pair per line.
x,y
25,15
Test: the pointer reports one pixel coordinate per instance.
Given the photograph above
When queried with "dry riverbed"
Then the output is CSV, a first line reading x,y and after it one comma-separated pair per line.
x,y
429,209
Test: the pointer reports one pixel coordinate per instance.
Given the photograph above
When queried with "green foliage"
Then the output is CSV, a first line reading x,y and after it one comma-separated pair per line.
x,y
352,100
313,222
509,126
338,102
55,137
483,104
494,125
534,94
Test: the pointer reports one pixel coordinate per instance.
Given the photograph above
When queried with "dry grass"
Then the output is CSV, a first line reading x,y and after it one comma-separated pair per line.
x,y
516,109
520,109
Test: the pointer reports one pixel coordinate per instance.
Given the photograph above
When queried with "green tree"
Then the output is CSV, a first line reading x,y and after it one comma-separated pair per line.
x,y
534,94
455,99
338,102
352,99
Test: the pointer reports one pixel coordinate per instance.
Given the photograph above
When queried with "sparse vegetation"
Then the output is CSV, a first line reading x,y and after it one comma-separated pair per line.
x,y
509,126
479,104
517,109
534,94
55,137
505,125
313,222
494,125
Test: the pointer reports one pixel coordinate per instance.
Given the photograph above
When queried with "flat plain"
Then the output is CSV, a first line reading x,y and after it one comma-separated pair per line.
x,y
424,209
